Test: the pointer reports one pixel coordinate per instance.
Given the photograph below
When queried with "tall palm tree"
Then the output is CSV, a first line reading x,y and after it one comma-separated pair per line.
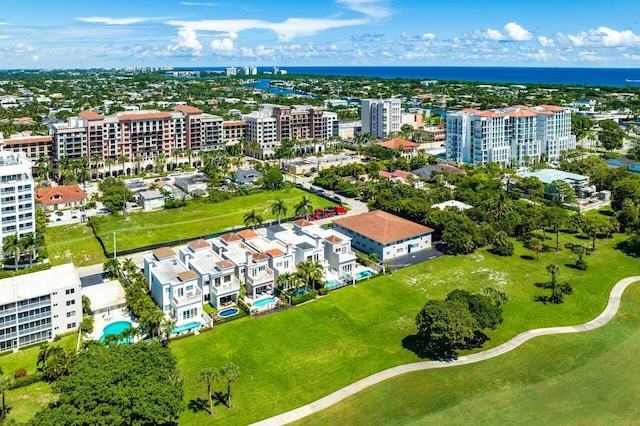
x,y
82,169
11,248
123,160
129,266
109,162
166,328
95,159
304,207
279,208
310,272
230,374
28,244
208,376
160,162
175,152
138,159
252,219
189,154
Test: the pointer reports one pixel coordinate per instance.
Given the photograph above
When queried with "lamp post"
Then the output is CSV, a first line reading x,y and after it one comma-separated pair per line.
x,y
115,253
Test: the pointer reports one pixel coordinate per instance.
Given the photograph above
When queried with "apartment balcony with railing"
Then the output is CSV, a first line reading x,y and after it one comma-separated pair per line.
x,y
187,298
260,277
226,287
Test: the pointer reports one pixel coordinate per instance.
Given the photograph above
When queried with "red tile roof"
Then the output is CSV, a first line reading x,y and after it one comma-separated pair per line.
x,y
27,139
147,116
230,237
260,256
60,195
333,239
187,275
163,253
552,108
198,244
225,264
275,252
233,123
90,115
188,109
396,143
382,227
248,234
302,223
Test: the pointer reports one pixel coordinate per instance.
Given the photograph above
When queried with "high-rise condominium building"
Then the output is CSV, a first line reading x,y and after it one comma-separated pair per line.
x,y
381,117
512,136
17,209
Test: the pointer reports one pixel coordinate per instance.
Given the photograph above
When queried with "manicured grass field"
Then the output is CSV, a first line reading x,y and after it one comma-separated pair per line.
x,y
196,219
585,378
73,243
297,356
27,358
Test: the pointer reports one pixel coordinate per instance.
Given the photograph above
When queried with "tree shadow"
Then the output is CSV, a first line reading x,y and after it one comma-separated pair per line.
x,y
583,237
198,404
628,249
426,350
543,299
607,213
219,398
527,257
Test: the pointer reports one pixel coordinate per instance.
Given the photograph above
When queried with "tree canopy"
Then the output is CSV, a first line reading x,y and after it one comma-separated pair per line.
x,y
125,384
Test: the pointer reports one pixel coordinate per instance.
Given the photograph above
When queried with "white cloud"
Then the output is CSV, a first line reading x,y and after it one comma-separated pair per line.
x,y
286,30
223,45
428,36
512,32
546,42
35,58
187,43
21,48
602,37
372,8
115,21
515,32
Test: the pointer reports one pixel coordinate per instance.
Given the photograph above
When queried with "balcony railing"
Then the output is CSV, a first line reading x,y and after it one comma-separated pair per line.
x,y
188,297
232,285
261,277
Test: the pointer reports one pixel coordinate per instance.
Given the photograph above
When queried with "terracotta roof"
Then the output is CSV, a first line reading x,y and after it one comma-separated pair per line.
x,y
27,139
488,114
449,168
400,174
395,143
302,223
333,239
225,264
260,256
229,237
187,109
198,244
60,195
275,252
382,227
552,108
233,123
163,253
187,275
90,115
522,113
247,234
147,116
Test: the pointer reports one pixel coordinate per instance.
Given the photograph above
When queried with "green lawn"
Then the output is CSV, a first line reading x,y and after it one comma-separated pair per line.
x,y
24,402
27,358
73,243
196,219
585,378
297,356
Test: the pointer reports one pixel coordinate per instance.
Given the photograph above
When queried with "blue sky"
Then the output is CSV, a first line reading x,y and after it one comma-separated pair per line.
x,y
218,33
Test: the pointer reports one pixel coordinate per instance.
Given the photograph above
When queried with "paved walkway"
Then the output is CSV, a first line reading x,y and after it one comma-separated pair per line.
x,y
607,314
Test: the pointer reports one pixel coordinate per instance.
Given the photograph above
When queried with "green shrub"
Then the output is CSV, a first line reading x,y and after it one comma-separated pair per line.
x,y
26,380
20,372
303,298
581,265
323,291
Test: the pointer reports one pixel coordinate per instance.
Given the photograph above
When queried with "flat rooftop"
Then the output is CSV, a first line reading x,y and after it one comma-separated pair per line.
x,y
547,176
38,283
105,295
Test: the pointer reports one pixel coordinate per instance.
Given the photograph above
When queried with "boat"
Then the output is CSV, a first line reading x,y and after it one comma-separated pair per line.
x,y
628,80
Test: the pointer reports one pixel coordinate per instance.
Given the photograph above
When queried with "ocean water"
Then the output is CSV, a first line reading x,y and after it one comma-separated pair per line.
x,y
614,77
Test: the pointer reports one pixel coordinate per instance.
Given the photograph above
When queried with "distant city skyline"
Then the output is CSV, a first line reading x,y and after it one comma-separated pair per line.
x,y
220,33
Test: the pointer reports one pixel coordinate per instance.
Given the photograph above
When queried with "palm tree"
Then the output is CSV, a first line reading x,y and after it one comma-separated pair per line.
x,y
82,169
209,376
166,328
175,152
11,248
109,162
95,159
189,154
112,267
138,159
129,266
252,219
279,208
122,160
28,244
310,272
284,280
44,166
160,162
230,372
553,270
304,207
5,385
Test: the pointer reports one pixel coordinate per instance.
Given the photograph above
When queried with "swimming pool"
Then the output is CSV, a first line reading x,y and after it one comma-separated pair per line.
x,y
332,283
363,274
228,312
115,328
185,327
264,302
300,292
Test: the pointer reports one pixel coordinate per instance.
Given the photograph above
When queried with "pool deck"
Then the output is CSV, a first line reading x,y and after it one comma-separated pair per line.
x,y
101,321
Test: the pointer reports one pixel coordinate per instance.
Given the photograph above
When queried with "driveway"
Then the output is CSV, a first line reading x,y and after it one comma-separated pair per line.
x,y
416,257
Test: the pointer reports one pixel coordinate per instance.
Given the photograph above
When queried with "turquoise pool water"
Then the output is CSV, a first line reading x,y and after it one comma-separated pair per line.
x,y
115,328
228,312
185,327
332,283
363,274
300,292
264,302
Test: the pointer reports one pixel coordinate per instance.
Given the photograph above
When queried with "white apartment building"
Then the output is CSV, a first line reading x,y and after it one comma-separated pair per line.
x,y
516,135
69,139
261,134
35,307
381,117
17,208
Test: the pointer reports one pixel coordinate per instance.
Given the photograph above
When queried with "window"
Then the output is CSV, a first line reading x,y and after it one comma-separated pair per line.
x,y
71,325
190,287
71,314
71,302
70,291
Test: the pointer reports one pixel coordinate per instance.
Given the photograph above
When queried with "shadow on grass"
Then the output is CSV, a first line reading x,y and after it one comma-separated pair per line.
x,y
527,257
439,352
198,404
628,249
608,213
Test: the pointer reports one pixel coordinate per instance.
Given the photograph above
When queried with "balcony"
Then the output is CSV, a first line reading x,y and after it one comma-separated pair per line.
x,y
228,287
261,277
188,298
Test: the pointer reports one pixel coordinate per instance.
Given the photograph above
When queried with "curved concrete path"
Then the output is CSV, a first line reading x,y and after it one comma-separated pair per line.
x,y
607,314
